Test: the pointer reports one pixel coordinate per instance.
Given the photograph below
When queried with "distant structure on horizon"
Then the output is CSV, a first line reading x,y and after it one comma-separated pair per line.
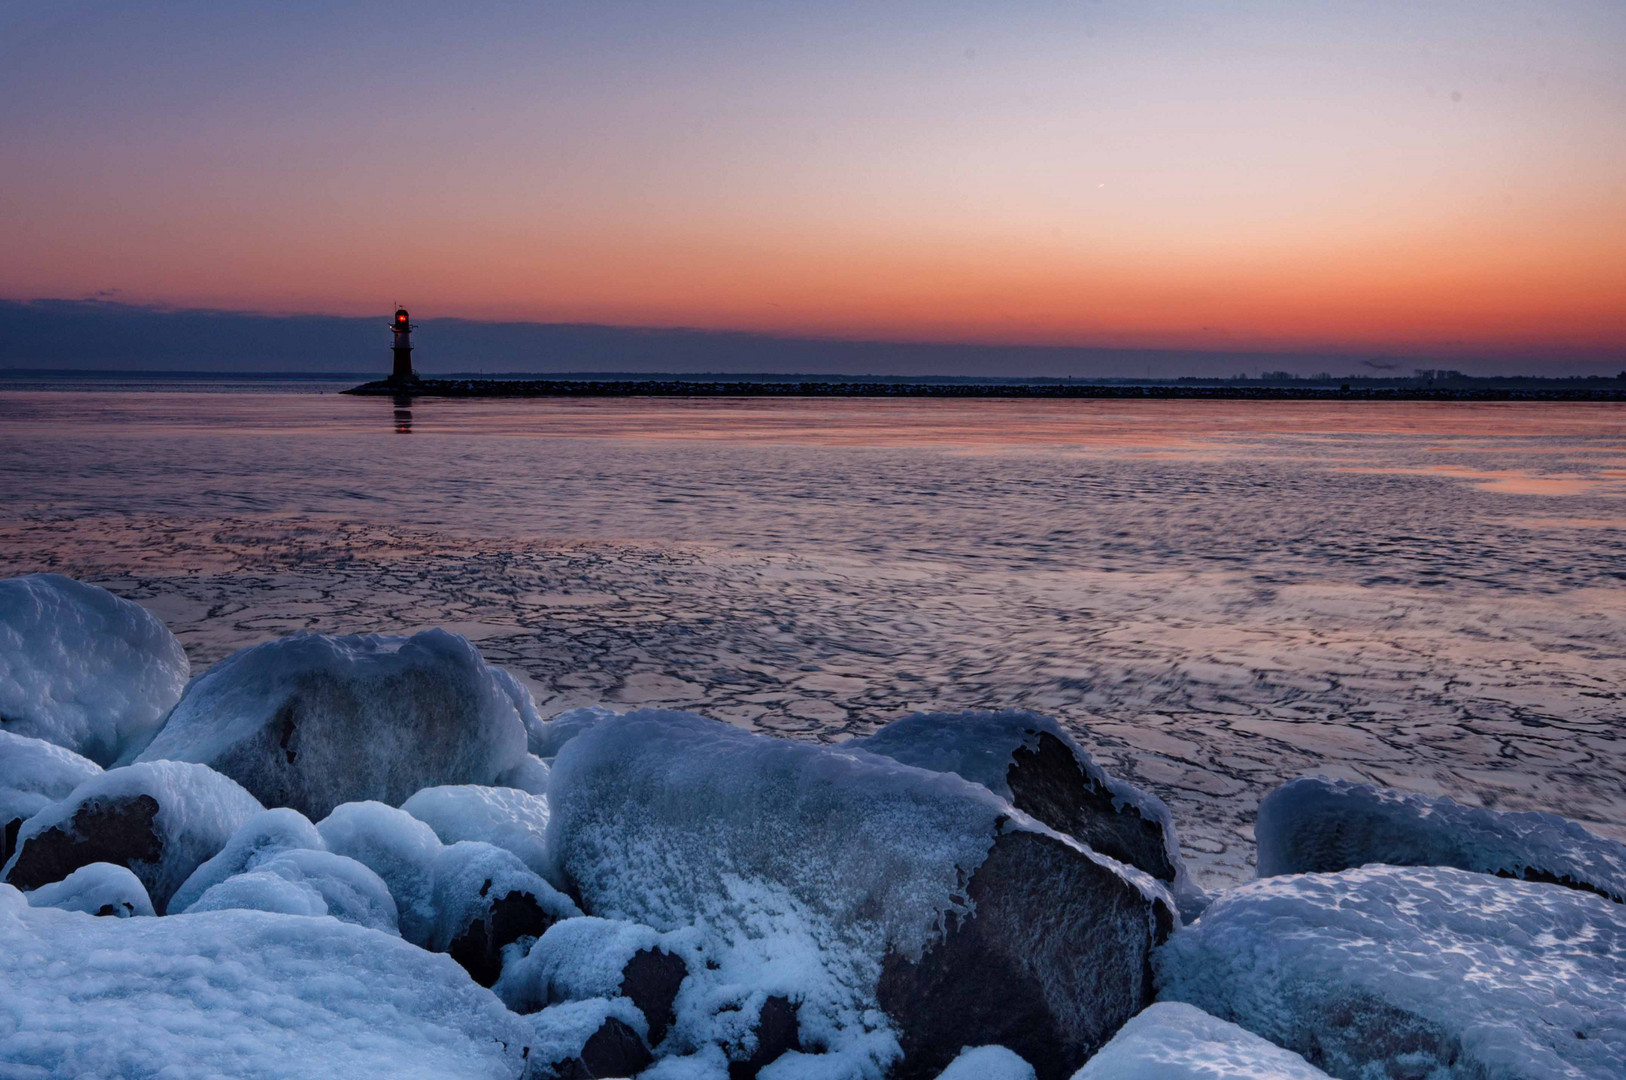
x,y
402,348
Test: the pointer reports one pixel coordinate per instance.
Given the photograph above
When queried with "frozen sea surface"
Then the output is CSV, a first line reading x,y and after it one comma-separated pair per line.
x,y
1213,596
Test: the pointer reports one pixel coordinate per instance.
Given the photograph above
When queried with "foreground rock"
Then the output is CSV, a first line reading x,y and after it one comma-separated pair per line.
x,y
83,669
98,889
511,819
1030,760
1414,972
309,883
33,775
312,721
239,994
1173,1041
159,819
1317,825
897,912
586,1040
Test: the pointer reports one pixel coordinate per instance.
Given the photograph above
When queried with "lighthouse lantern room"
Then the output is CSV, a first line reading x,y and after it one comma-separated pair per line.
x,y
402,348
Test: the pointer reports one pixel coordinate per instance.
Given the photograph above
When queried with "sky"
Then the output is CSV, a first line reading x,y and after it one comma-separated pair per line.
x,y
1430,177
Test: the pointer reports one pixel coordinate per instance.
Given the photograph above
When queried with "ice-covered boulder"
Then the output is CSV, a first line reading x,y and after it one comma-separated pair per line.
x,y
33,775
304,882
1174,1041
1031,761
98,889
259,838
82,668
507,817
547,737
161,819
468,899
894,909
987,1063
242,994
1410,972
584,1040
312,721
1317,825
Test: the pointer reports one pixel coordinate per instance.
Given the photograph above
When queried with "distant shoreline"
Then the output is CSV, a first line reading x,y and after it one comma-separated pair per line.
x,y
691,388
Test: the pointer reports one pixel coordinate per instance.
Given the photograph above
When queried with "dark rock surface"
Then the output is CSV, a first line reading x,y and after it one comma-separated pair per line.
x,y
504,918
778,1031
1055,958
117,829
614,1050
651,980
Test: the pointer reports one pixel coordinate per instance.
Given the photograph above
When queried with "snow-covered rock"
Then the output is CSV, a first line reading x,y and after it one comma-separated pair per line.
x,y
257,839
33,775
161,819
511,819
581,1040
82,668
892,907
547,737
1409,972
239,993
98,889
1317,825
1031,761
987,1063
1174,1041
468,899
305,882
312,721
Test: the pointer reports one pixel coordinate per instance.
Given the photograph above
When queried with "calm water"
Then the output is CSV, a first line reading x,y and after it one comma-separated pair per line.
x,y
1214,595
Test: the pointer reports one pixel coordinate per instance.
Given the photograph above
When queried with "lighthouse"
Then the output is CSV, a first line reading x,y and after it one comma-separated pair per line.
x,y
402,348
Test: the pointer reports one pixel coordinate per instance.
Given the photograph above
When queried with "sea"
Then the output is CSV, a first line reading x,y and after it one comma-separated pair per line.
x,y
1214,596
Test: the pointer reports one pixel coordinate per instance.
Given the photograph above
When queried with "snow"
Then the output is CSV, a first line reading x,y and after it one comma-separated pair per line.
x,y
987,1063
511,819
312,721
560,1031
35,773
1174,1041
82,668
576,959
1317,824
547,738
1408,972
198,811
800,866
238,993
469,873
531,776
100,888
304,882
260,837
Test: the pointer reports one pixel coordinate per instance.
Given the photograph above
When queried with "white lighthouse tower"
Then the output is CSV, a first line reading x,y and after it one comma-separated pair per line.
x,y
402,348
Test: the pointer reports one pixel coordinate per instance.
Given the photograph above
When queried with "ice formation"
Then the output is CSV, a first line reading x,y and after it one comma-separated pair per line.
x,y
1031,761
1410,972
548,737
397,847
304,882
511,819
242,994
98,889
313,721
1317,825
257,839
33,775
987,1063
1175,1041
161,819
82,668
860,890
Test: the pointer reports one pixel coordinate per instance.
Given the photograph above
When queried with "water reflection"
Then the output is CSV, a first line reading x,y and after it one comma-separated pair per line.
x,y
403,414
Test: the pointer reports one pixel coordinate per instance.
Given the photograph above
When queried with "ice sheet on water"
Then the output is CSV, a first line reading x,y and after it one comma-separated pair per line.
x,y
1317,825
987,1063
1175,1041
82,668
305,882
509,818
34,774
312,721
98,889
238,993
1402,972
184,814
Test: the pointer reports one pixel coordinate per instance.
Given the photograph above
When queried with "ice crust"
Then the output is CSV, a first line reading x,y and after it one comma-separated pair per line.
x,y
312,721
198,811
98,889
1414,972
34,774
82,668
238,993
1174,1041
547,737
987,1063
560,1031
506,817
257,839
580,958
1317,825
304,882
